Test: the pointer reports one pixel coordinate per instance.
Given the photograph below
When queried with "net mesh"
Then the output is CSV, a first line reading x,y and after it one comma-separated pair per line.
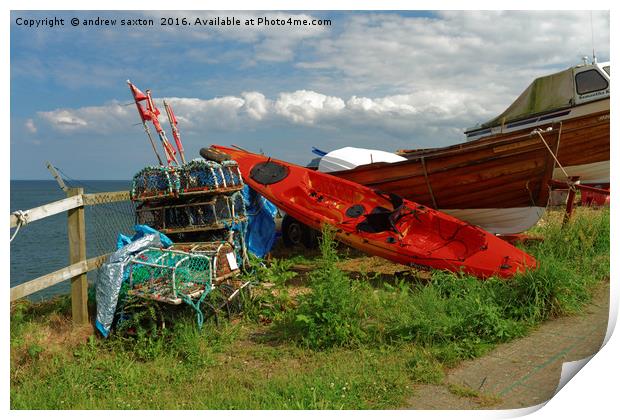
x,y
169,275
219,252
155,181
196,176
231,173
201,175
207,214
222,209
104,222
238,206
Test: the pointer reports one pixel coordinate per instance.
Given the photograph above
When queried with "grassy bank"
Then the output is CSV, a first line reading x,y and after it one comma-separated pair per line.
x,y
322,340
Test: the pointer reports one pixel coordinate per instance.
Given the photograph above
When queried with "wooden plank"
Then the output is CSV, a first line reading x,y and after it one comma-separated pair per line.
x,y
48,280
105,197
76,231
56,277
50,209
518,145
57,177
96,262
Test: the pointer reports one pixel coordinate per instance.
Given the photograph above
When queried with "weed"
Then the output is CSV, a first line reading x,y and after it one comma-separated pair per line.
x,y
271,296
483,400
331,314
34,350
424,368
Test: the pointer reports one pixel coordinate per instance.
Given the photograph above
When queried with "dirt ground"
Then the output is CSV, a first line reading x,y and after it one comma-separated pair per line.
x,y
524,372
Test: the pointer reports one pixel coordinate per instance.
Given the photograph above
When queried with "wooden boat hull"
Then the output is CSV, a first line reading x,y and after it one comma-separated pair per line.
x,y
583,147
373,222
499,185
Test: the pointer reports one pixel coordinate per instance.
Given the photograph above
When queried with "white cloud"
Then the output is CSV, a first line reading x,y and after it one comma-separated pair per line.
x,y
30,126
64,119
196,114
305,107
96,119
256,105
487,56
396,115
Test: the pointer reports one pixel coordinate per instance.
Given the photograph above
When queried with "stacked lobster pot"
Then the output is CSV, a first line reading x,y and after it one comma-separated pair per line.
x,y
199,205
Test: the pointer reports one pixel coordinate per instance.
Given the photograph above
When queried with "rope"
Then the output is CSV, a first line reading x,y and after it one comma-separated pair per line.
x,y
196,306
428,183
538,131
22,220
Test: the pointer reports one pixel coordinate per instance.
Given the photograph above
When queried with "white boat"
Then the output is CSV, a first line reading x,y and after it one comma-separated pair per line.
x,y
578,99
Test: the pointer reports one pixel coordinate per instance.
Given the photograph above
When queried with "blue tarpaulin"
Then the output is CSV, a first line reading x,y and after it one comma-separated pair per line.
x,y
141,230
260,233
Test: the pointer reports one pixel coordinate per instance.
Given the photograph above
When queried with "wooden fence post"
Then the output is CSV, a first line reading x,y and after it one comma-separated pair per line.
x,y
76,230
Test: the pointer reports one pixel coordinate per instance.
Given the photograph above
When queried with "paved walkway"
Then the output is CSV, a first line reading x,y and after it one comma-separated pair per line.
x,y
524,372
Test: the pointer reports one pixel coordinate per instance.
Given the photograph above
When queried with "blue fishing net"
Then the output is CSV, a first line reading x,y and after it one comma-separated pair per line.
x,y
154,181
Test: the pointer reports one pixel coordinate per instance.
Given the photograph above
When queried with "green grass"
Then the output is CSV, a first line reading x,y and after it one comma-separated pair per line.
x,y
338,343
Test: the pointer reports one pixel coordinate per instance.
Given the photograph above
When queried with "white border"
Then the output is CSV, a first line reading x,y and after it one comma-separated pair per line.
x,y
592,394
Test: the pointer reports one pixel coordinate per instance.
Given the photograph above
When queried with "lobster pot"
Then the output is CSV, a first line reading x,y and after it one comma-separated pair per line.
x,y
201,215
237,205
154,182
152,217
169,275
216,213
222,208
232,175
222,255
237,238
207,176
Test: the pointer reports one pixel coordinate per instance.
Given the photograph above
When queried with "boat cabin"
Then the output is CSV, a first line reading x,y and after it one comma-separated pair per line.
x,y
552,98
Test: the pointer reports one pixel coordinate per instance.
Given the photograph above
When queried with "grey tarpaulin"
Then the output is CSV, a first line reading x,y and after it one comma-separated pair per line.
x,y
110,279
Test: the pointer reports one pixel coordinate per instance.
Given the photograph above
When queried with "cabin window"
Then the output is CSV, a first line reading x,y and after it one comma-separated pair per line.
x,y
606,68
590,81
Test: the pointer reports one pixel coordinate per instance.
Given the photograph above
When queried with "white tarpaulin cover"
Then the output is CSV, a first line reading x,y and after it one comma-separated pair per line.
x,y
351,157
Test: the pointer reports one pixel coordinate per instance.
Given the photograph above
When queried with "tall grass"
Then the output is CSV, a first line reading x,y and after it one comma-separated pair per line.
x,y
344,344
460,316
332,313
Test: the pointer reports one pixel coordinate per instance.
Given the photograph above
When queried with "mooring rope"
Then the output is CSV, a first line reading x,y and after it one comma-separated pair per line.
x,y
569,183
428,182
22,220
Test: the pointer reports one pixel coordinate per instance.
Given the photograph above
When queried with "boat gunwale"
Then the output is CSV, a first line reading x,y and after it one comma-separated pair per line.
x,y
472,130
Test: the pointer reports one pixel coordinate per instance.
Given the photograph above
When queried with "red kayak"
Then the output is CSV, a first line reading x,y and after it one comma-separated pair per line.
x,y
378,223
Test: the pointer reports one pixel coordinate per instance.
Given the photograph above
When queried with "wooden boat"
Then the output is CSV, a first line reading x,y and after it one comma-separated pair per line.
x,y
576,100
500,185
378,223
498,179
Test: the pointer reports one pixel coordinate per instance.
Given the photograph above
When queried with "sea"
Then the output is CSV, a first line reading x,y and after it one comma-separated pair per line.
x,y
42,246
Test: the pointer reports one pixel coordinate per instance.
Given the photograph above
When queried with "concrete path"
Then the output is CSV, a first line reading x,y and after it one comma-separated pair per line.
x,y
524,372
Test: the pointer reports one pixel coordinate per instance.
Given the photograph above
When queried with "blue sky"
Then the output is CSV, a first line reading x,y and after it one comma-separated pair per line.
x,y
383,80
